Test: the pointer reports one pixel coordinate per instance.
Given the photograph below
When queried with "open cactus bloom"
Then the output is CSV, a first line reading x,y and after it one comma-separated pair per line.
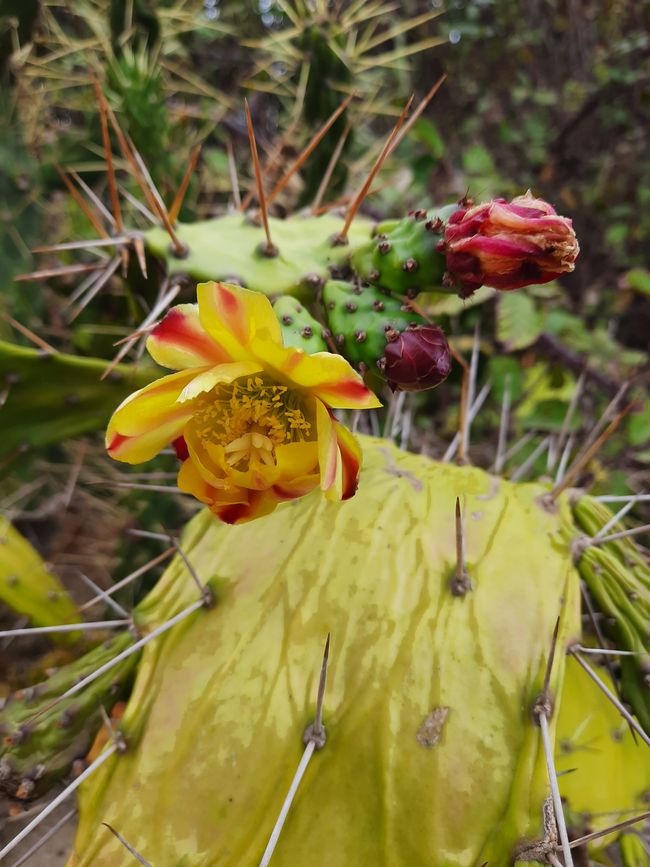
x,y
507,245
250,418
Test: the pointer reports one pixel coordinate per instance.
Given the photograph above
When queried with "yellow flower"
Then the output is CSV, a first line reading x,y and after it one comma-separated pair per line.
x,y
250,418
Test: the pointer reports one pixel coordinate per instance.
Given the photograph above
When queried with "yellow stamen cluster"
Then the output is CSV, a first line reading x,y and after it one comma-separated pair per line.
x,y
250,417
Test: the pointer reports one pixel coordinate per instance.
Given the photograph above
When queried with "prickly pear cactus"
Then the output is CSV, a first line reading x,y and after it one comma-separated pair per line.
x,y
42,738
429,694
451,597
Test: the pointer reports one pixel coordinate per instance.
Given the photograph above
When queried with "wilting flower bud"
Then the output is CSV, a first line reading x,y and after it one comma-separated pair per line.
x,y
508,245
417,359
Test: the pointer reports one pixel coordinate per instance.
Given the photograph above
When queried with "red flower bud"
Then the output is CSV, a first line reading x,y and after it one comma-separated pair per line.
x,y
417,359
508,245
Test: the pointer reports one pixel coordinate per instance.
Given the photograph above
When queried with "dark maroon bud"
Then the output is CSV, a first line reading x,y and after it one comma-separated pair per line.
x,y
360,336
384,247
417,359
306,331
410,266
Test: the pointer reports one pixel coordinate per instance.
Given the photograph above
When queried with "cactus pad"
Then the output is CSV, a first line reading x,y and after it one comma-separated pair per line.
x,y
42,384
229,248
427,707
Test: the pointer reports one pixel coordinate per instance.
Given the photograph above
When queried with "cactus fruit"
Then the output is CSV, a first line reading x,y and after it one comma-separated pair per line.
x,y
359,318
404,256
26,584
417,359
429,694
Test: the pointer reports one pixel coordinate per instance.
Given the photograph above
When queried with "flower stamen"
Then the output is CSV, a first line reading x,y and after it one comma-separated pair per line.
x,y
250,417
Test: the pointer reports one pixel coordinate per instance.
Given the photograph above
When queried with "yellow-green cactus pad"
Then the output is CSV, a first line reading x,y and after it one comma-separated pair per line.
x,y
432,757
26,584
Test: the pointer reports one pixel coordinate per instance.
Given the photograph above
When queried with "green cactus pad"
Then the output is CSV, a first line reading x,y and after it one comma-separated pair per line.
x,y
53,396
431,754
299,328
26,584
229,248
403,257
36,752
359,317
619,581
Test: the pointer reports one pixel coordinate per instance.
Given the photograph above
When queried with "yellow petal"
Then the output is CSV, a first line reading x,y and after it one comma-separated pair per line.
x,y
149,419
327,376
208,463
191,481
296,459
232,316
179,341
222,373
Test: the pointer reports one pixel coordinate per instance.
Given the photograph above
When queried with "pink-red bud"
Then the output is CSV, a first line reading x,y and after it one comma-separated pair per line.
x,y
508,245
417,359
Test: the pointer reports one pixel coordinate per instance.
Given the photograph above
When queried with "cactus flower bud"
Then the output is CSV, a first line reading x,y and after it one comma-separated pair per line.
x,y
508,245
416,359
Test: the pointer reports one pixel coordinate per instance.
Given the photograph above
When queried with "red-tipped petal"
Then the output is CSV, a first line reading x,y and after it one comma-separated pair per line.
x,y
148,420
351,457
328,452
232,316
179,341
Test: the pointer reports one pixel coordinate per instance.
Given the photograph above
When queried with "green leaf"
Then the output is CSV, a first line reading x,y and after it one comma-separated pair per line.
x,y
478,161
638,429
519,323
639,280
427,132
